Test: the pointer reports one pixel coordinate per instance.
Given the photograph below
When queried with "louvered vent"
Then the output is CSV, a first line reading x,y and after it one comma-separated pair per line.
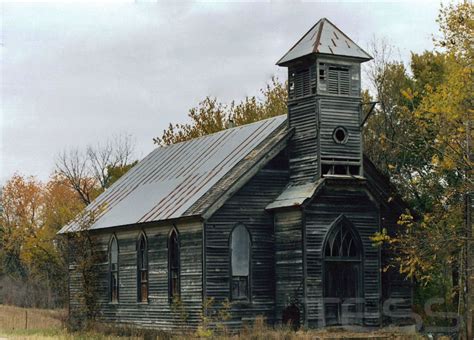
x,y
339,80
302,82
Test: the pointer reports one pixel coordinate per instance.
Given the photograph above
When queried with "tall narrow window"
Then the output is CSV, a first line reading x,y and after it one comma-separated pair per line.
x,y
113,270
173,265
142,269
240,248
342,273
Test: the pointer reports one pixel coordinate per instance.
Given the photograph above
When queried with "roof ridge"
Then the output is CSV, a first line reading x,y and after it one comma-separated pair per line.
x,y
324,38
222,131
296,44
346,36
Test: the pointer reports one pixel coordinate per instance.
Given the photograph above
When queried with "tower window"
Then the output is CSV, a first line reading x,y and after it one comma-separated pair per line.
x,y
300,82
322,81
322,74
340,135
340,169
339,80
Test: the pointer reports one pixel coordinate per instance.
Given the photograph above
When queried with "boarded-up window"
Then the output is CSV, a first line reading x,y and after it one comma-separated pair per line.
x,y
113,270
173,265
142,269
339,79
240,249
302,82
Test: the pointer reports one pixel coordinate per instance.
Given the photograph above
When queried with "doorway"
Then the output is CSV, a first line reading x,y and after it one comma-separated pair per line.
x,y
342,275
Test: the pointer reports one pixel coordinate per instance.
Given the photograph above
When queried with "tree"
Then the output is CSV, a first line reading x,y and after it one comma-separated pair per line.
x,y
22,206
91,171
212,116
426,141
32,253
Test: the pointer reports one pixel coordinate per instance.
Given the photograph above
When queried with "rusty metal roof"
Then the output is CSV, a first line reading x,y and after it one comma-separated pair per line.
x,y
295,195
171,179
324,38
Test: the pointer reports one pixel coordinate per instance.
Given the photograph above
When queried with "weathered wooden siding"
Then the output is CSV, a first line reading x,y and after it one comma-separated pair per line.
x,y
342,112
302,117
356,206
157,313
247,206
289,271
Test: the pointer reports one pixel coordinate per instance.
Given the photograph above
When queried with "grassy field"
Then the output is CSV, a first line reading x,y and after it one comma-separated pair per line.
x,y
39,324
22,323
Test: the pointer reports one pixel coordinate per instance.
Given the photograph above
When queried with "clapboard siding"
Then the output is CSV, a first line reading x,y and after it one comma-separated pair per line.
x,y
344,113
157,312
304,143
356,206
247,206
288,260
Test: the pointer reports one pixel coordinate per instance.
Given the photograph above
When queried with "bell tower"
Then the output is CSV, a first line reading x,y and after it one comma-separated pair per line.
x,y
324,104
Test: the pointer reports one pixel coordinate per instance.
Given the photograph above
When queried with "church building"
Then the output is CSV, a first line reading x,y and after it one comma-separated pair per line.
x,y
272,219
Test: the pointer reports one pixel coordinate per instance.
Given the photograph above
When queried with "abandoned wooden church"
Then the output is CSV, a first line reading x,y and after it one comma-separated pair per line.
x,y
276,216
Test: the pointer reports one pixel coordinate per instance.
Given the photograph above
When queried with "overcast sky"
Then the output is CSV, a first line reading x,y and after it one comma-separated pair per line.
x,y
75,74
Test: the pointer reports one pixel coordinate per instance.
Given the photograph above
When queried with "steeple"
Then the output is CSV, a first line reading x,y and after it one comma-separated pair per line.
x,y
324,104
324,38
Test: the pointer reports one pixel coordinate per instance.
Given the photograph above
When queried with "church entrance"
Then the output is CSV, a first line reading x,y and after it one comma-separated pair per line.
x,y
342,275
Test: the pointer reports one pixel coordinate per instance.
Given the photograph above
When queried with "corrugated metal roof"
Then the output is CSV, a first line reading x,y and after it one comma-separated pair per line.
x,y
167,182
295,195
324,38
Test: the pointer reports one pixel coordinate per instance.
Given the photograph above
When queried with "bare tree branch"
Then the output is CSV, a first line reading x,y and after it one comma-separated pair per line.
x,y
88,172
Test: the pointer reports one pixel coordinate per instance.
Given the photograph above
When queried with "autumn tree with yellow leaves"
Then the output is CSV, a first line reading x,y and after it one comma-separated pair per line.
x,y
424,141
32,254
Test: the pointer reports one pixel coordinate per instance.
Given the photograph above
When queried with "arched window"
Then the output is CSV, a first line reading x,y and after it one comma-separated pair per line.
x,y
142,268
113,270
174,277
240,253
343,260
342,243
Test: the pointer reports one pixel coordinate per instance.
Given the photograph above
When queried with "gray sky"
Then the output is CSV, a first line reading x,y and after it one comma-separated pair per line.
x,y
74,74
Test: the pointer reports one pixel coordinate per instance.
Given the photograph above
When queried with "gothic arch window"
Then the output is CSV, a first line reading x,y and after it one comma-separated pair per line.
x,y
240,253
343,260
342,243
142,268
113,270
174,265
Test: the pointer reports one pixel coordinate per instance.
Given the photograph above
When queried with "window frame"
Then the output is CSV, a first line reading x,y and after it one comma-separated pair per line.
x,y
354,77
142,269
114,298
171,293
341,223
248,297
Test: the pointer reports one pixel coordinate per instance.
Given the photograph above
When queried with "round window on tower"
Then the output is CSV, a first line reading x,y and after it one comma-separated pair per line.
x,y
340,135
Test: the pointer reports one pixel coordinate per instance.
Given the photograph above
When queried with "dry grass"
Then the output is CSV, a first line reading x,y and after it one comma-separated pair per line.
x,y
16,318
37,324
